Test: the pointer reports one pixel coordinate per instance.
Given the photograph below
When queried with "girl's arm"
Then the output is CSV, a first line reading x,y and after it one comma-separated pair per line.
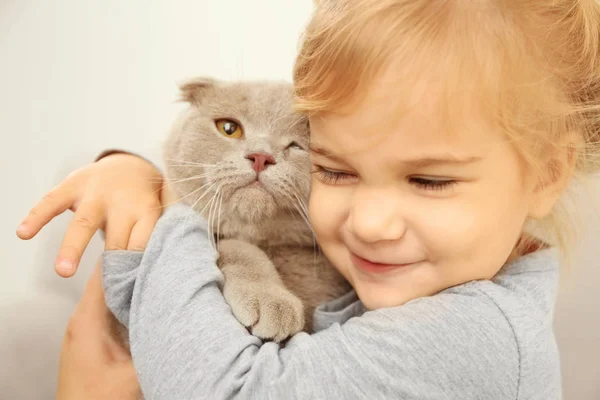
x,y
187,345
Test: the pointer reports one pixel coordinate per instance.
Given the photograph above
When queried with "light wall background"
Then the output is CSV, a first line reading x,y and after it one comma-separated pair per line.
x,y
79,76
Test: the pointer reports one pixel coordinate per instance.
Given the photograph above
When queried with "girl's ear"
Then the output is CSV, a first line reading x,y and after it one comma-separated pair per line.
x,y
192,90
554,178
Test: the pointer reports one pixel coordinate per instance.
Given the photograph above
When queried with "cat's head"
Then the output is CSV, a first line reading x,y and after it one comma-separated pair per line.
x,y
239,149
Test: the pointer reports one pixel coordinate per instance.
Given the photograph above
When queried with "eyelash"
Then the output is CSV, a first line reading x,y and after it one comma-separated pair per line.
x,y
331,177
334,177
432,184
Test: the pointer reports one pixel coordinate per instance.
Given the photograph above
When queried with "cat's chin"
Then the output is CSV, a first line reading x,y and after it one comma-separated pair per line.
x,y
252,203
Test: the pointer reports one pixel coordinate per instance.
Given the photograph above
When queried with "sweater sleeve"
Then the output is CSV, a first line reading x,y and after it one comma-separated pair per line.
x,y
186,344
109,152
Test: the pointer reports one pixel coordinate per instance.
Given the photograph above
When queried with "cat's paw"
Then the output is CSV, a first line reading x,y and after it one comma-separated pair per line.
x,y
269,310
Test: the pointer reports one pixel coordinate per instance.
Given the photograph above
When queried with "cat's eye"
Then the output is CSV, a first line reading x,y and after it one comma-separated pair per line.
x,y
229,128
295,145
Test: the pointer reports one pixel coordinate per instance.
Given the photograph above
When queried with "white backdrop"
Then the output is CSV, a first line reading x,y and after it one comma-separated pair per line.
x,y
80,76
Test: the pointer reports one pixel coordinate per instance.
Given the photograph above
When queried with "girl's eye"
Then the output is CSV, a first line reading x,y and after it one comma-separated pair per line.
x,y
432,184
332,177
295,145
229,128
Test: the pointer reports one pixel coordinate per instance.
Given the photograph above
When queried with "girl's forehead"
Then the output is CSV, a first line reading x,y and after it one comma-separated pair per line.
x,y
407,93
414,109
413,137
420,110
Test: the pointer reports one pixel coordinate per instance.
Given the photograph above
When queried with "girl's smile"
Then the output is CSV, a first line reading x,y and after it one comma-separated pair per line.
x,y
378,267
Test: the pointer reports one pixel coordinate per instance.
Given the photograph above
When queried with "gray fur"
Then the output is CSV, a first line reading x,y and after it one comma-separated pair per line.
x,y
274,274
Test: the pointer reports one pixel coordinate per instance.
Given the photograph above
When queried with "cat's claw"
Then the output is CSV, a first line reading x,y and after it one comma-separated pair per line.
x,y
269,311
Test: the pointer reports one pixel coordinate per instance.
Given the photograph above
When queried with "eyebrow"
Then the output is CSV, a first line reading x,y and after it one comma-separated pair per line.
x,y
417,162
320,151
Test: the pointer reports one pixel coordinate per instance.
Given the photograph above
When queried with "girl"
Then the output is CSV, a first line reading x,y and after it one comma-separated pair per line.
x,y
439,131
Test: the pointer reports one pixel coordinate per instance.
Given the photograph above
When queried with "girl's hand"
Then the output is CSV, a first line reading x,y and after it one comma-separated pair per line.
x,y
93,363
120,194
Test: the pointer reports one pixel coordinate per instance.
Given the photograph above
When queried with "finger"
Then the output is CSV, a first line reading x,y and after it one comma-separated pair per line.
x,y
142,230
52,204
118,230
87,220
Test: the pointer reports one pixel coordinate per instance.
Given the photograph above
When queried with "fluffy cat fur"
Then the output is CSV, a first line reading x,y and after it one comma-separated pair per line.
x,y
274,275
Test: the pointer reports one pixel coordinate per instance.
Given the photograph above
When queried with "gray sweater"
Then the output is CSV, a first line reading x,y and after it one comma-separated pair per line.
x,y
483,340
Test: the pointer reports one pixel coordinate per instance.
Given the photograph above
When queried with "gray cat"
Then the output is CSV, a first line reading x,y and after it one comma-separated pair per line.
x,y
239,156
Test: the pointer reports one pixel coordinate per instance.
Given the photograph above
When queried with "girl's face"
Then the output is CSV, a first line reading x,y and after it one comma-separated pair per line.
x,y
405,209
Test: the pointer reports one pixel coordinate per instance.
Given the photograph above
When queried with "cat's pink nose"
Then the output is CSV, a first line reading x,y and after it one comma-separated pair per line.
x,y
260,161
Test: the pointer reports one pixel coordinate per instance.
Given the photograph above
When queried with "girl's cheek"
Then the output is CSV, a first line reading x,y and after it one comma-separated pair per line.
x,y
326,208
446,225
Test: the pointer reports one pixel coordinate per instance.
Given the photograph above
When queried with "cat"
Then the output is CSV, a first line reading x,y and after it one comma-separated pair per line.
x,y
239,156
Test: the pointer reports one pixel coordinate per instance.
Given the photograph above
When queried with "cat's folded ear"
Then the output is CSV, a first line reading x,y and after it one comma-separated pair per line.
x,y
192,90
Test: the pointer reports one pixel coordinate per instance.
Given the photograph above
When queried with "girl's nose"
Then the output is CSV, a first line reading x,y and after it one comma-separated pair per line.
x,y
375,217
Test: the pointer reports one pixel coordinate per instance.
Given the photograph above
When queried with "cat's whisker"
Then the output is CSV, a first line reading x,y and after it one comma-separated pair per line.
x,y
286,115
196,190
219,221
205,185
234,173
201,212
186,162
277,120
211,217
298,209
290,188
202,196
302,204
191,178
192,208
304,217
289,194
292,125
186,165
297,203
316,248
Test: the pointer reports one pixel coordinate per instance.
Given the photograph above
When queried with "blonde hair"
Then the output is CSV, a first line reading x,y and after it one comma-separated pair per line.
x,y
533,65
